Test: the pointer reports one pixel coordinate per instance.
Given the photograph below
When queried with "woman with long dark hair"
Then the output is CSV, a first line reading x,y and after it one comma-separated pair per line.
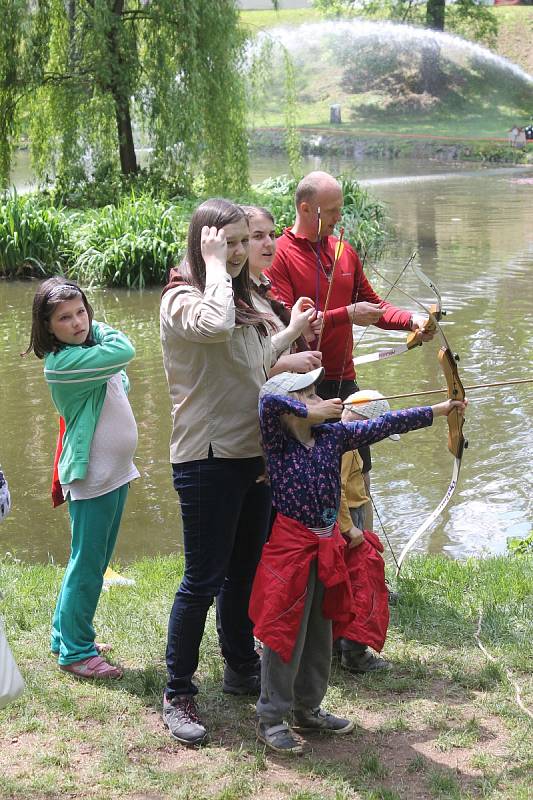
x,y
217,353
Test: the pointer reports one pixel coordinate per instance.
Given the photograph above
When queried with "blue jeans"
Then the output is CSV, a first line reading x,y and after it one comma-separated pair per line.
x,y
225,521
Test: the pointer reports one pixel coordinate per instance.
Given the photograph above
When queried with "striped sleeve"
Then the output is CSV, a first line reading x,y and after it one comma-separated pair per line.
x,y
94,365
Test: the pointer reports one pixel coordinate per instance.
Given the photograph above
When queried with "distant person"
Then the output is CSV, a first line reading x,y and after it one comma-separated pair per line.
x,y
5,498
84,364
302,582
217,353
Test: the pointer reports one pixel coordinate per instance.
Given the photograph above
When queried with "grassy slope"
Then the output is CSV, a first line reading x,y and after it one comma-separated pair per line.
x,y
515,35
492,121
442,724
260,20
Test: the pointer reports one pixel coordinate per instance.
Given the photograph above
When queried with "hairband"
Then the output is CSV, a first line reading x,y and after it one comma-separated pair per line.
x,y
63,287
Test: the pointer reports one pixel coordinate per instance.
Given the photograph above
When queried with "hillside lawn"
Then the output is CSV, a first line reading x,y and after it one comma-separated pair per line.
x,y
487,114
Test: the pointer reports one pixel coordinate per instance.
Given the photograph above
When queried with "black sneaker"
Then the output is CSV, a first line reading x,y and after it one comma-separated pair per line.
x,y
181,718
241,683
359,663
280,738
318,719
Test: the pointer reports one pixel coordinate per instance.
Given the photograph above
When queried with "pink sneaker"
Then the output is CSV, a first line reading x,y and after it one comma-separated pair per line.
x,y
91,668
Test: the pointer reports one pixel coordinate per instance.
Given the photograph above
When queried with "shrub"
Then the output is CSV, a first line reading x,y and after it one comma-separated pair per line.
x,y
134,242
33,237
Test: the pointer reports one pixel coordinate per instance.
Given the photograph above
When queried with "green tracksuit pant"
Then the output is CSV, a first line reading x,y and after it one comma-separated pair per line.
x,y
94,527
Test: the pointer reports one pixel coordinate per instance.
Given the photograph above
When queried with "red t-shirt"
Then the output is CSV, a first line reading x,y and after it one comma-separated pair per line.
x,y
301,268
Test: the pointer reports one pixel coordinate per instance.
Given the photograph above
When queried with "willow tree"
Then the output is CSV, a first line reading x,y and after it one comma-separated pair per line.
x,y
103,71
23,50
472,19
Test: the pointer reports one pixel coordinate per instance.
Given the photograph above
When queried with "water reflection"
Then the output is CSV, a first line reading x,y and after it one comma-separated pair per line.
x,y
475,240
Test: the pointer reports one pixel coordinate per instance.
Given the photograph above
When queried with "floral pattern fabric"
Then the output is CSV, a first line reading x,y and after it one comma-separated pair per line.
x,y
306,479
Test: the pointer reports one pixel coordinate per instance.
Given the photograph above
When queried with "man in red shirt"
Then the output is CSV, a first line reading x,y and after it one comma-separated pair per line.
x,y
302,267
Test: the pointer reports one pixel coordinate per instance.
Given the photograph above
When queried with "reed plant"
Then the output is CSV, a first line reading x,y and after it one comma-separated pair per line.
x,y
135,241
33,236
132,244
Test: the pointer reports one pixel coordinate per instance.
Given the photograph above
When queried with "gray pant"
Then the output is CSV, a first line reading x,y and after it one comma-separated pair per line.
x,y
358,517
302,683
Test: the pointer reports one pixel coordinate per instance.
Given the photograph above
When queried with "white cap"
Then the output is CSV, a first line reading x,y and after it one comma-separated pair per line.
x,y
287,382
370,404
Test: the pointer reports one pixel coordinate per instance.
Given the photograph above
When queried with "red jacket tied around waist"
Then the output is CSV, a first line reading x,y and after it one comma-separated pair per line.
x,y
280,586
366,570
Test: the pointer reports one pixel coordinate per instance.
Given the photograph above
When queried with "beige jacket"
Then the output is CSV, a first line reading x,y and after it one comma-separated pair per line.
x,y
214,371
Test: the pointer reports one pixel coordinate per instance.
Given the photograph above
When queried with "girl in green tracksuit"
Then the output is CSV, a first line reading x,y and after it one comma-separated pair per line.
x,y
84,364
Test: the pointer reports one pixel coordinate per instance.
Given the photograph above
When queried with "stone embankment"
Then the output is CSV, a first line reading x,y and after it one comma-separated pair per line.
x,y
322,141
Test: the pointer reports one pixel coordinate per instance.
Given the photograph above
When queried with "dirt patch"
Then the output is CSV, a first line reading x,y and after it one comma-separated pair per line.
x,y
398,760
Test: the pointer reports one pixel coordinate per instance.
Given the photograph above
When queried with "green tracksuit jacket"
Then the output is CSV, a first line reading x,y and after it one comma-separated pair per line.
x,y
77,376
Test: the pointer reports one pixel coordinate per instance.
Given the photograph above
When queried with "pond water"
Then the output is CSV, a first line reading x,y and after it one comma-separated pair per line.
x,y
473,231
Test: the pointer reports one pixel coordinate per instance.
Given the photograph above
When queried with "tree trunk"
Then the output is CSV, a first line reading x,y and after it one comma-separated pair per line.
x,y
433,79
121,97
128,159
435,11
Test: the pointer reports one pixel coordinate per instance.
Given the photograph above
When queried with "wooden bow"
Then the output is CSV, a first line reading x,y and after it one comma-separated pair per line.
x,y
339,248
456,441
455,390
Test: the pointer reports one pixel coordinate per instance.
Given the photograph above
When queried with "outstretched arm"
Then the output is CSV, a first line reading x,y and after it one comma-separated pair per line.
x,y
371,431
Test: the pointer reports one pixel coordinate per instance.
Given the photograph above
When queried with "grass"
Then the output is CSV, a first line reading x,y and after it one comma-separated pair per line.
x,y
514,36
263,20
442,724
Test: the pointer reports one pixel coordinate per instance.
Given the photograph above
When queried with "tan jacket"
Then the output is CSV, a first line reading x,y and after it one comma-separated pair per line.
x,y
214,371
353,491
